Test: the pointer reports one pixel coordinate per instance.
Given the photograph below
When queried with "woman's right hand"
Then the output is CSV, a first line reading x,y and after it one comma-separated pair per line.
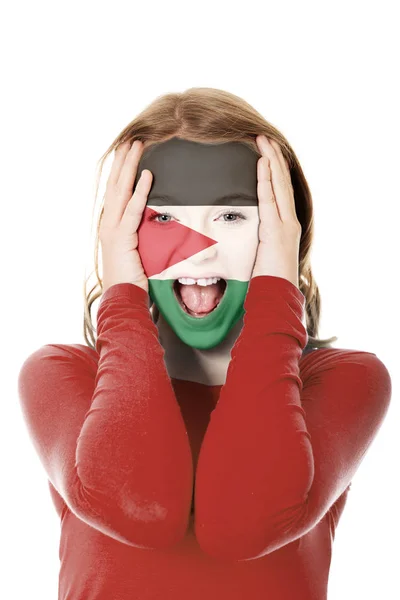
x,y
121,218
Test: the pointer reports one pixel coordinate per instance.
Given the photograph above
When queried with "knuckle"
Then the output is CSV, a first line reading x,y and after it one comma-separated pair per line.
x,y
271,198
118,193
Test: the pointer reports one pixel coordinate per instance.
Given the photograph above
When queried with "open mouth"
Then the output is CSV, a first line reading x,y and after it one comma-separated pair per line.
x,y
177,291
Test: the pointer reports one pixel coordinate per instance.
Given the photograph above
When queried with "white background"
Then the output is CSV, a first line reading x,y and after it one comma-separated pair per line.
x,y
74,74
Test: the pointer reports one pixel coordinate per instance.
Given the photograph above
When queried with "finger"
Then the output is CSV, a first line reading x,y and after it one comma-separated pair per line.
x,y
119,158
129,168
281,158
285,169
119,188
134,209
282,189
267,206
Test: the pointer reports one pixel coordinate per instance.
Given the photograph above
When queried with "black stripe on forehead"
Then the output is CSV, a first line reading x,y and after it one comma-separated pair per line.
x,y
188,173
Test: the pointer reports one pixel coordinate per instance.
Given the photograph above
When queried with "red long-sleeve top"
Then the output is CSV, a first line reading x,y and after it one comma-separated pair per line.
x,y
267,458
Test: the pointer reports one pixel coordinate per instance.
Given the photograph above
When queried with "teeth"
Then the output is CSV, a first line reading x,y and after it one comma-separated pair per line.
x,y
189,281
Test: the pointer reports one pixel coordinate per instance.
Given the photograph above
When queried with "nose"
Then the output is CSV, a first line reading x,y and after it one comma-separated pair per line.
x,y
205,255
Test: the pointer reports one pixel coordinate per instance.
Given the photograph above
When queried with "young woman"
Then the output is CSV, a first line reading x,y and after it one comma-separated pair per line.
x,y
203,444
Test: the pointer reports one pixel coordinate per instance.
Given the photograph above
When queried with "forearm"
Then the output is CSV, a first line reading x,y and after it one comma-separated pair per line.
x,y
255,465
133,451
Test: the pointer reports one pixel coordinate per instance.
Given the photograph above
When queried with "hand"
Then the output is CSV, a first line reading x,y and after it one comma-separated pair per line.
x,y
279,230
122,216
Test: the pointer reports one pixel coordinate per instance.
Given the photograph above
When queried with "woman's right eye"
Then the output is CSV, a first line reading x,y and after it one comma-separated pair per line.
x,y
155,217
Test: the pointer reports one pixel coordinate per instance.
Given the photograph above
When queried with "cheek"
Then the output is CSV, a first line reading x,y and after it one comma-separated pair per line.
x,y
240,252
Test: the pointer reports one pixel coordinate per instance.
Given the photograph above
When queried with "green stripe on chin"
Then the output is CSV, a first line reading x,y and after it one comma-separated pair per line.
x,y
162,293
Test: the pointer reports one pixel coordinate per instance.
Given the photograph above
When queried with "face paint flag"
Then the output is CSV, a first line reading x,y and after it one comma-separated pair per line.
x,y
195,187
161,250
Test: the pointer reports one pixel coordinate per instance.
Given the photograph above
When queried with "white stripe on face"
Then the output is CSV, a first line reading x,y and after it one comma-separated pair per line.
x,y
237,236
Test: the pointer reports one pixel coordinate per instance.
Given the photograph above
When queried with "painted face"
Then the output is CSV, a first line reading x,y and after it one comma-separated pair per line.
x,y
200,221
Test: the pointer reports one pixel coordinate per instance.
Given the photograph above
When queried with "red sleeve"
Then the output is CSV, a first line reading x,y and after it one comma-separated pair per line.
x,y
108,429
287,435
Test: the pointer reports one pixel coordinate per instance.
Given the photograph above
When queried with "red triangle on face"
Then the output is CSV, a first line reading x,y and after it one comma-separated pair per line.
x,y
162,245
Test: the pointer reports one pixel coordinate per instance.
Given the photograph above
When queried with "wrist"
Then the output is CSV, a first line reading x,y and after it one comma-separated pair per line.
x,y
259,272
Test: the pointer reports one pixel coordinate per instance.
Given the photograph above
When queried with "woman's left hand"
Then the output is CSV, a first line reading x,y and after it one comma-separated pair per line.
x,y
279,230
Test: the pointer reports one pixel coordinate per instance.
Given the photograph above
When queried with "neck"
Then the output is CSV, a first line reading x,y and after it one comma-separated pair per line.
x,y
205,366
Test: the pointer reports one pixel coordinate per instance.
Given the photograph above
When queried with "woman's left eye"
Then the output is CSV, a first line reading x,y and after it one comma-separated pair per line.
x,y
235,213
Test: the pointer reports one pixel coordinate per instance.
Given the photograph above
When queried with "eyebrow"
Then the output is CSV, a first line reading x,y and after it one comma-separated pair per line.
x,y
235,199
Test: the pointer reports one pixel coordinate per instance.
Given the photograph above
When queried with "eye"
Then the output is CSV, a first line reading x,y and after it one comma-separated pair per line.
x,y
235,213
240,217
155,217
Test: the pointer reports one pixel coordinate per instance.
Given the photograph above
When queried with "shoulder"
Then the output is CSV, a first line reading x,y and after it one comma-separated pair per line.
x,y
348,371
331,357
55,371
56,356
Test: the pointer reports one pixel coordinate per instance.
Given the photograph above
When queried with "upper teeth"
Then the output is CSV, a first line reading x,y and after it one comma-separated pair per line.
x,y
189,281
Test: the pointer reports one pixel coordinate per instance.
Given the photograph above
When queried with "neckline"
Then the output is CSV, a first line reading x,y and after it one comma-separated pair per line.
x,y
220,385
186,381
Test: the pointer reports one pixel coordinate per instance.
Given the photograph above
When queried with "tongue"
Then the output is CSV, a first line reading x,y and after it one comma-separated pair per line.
x,y
201,298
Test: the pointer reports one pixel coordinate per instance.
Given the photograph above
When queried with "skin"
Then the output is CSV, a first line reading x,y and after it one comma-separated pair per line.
x,y
201,220
203,366
277,252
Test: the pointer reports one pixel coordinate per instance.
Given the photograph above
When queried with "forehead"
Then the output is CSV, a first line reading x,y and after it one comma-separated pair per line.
x,y
192,173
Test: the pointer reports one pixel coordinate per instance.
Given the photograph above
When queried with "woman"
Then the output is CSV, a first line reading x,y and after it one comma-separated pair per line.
x,y
204,444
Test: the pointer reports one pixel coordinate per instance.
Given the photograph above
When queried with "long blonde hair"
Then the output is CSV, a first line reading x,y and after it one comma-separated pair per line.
x,y
209,115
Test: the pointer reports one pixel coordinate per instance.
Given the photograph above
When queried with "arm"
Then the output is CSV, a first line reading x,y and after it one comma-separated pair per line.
x,y
287,435
108,429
